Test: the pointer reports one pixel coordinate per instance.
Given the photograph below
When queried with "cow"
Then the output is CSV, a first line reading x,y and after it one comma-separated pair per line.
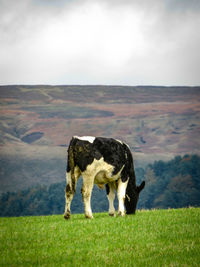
x,y
101,161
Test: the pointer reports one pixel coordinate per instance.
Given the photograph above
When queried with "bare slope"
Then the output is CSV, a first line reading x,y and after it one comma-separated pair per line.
x,y
37,123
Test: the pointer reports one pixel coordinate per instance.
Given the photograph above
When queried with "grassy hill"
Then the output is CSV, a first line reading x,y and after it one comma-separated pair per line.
x,y
149,238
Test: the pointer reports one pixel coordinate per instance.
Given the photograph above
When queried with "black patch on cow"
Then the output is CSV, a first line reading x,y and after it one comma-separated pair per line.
x,y
112,152
107,189
84,153
67,189
132,196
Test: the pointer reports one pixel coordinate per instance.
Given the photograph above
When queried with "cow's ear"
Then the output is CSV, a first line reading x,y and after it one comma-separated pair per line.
x,y
140,187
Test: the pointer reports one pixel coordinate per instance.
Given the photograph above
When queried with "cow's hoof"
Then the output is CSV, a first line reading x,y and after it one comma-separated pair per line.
x,y
67,216
88,216
112,214
120,213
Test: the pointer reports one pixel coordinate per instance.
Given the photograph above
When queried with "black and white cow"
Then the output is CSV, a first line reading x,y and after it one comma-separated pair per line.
x,y
102,161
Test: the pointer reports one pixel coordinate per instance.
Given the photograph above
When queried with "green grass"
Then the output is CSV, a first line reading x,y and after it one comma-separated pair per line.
x,y
149,238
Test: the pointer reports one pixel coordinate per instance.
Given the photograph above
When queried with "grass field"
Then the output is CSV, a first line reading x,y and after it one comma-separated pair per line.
x,y
149,238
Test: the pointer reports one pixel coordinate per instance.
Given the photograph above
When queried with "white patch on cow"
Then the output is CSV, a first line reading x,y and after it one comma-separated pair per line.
x,y
86,138
111,198
119,141
68,199
122,143
128,198
127,145
98,172
88,182
121,191
102,171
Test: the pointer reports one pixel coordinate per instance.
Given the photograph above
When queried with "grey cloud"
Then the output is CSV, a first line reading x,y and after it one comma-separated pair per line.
x,y
100,41
183,5
20,19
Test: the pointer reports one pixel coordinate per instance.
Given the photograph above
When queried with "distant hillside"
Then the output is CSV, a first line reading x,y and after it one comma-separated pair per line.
x,y
37,122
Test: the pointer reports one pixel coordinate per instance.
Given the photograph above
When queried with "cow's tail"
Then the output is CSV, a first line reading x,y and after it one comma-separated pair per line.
x,y
71,164
130,165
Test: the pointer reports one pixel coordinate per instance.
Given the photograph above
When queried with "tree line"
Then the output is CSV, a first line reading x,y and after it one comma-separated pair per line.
x,y
172,184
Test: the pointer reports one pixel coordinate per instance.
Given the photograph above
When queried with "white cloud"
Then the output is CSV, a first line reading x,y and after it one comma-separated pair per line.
x,y
99,42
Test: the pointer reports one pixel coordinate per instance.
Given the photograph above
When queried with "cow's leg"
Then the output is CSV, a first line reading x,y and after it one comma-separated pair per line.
x,y
121,192
86,190
70,191
110,189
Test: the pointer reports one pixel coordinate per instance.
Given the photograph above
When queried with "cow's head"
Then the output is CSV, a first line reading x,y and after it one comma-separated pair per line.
x,y
132,196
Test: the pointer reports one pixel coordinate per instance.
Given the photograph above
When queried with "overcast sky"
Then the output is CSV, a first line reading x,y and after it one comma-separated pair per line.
x,y
113,42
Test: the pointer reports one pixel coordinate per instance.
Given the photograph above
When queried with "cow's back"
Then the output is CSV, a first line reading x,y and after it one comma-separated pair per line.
x,y
113,152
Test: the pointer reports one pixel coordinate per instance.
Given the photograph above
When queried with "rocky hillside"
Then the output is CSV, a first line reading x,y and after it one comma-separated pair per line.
x,y
37,123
